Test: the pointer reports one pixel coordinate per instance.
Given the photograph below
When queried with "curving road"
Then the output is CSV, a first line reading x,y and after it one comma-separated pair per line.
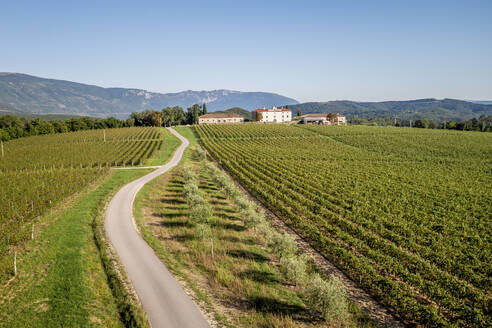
x,y
163,299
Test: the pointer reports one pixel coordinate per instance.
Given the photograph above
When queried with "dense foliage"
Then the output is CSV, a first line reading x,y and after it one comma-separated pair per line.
x,y
404,212
169,116
13,127
482,123
37,172
434,109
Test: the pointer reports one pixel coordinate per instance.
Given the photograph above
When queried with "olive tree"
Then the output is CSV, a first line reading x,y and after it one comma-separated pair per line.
x,y
328,297
294,268
283,244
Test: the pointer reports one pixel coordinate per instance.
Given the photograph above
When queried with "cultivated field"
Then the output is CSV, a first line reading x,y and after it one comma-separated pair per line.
x,y
37,172
404,212
220,246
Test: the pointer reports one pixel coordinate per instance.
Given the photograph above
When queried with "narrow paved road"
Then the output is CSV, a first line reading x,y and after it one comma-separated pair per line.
x,y
163,299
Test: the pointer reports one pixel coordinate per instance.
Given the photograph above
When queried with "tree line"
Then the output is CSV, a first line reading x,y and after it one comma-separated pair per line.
x,y
169,116
13,127
482,123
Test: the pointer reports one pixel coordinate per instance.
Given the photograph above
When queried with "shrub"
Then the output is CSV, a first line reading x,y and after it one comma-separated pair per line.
x,y
294,268
265,229
202,230
328,297
189,174
283,244
201,212
200,154
251,217
190,190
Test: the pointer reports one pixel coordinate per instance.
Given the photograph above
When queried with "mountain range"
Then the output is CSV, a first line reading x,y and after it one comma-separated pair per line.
x,y
35,95
31,96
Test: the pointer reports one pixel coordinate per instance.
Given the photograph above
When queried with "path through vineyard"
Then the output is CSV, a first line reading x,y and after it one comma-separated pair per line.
x,y
163,299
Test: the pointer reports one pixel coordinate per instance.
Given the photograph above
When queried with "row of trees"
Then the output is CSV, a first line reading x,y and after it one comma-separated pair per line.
x,y
325,296
13,127
482,123
169,116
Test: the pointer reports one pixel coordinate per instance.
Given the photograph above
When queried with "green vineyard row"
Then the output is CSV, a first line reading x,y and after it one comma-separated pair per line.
x,y
404,213
38,172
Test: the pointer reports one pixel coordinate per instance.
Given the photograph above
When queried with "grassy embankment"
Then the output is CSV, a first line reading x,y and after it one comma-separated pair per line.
x,y
242,284
67,275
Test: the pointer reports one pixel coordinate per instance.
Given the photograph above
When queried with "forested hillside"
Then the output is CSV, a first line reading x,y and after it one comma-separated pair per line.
x,y
434,109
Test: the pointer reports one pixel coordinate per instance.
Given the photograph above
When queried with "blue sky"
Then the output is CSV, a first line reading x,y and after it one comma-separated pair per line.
x,y
308,50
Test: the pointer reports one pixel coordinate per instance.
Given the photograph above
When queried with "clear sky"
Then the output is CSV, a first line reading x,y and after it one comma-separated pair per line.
x,y
308,50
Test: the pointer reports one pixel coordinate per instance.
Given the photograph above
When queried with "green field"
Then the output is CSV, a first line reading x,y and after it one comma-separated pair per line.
x,y
242,283
38,172
404,212
61,280
66,275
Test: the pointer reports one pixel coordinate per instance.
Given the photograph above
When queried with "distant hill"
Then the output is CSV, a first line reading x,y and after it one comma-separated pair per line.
x,y
37,95
237,110
49,117
435,109
483,102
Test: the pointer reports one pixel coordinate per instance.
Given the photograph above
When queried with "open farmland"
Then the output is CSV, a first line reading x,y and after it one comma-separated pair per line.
x,y
38,172
94,148
404,212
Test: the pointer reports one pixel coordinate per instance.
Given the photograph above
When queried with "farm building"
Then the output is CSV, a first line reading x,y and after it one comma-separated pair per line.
x,y
272,115
220,118
323,118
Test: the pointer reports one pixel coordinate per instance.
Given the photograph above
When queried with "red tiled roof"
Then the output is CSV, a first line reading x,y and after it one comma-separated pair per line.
x,y
221,115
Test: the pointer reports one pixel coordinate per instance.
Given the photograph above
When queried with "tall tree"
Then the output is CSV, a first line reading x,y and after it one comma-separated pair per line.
x,y
193,114
204,109
332,117
173,116
156,118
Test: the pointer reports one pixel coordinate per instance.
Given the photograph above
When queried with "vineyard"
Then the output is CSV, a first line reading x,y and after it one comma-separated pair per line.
x,y
406,213
94,148
37,172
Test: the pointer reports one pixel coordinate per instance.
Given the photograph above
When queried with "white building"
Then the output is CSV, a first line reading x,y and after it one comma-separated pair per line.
x,y
272,115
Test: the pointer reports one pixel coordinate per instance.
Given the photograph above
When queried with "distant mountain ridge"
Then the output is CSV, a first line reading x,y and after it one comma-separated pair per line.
x,y
483,102
449,109
35,95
